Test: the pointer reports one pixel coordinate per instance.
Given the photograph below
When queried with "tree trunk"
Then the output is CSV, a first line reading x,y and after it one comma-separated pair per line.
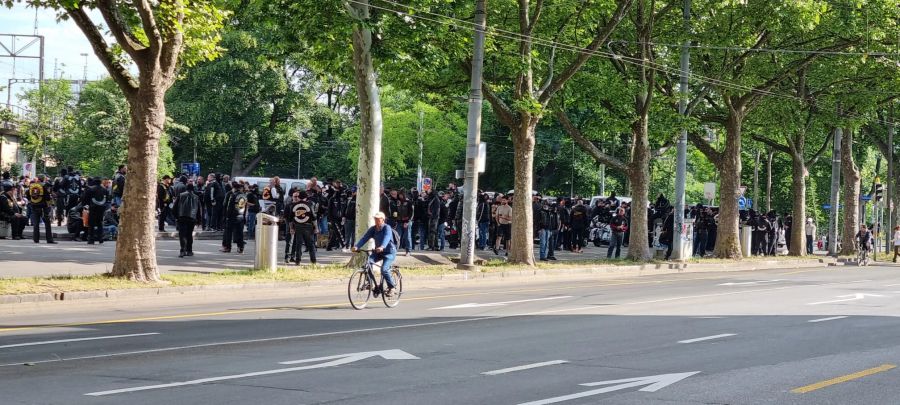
x,y
639,178
727,242
368,172
136,243
851,194
521,248
798,183
237,162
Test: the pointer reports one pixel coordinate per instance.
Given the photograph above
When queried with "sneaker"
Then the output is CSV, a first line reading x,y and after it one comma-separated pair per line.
x,y
181,254
240,250
543,259
224,250
189,254
389,292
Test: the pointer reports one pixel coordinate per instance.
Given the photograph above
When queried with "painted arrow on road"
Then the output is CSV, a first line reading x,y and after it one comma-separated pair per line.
x,y
848,297
653,383
751,282
500,304
329,361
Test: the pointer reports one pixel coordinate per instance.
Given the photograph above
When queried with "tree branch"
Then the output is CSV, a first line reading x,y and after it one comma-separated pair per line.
x,y
771,143
148,21
587,146
603,33
821,150
171,46
119,29
117,71
538,7
704,147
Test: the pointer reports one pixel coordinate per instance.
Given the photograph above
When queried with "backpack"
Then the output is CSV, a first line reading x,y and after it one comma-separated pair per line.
x,y
396,238
36,193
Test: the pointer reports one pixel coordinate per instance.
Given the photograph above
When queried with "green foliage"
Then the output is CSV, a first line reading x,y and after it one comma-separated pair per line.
x,y
98,140
48,117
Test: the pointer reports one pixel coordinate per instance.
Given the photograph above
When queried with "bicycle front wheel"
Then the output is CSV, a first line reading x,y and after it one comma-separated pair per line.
x,y
394,299
359,290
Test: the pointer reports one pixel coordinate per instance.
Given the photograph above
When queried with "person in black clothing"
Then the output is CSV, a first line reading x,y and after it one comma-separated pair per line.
x,y
11,212
163,200
335,214
565,233
434,217
187,207
60,190
483,218
235,217
668,232
349,218
617,225
772,234
253,209
580,220
405,219
214,199
38,195
95,197
301,223
420,220
118,186
443,217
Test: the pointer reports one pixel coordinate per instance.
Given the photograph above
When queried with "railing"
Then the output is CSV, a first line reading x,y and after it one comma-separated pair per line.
x,y
17,111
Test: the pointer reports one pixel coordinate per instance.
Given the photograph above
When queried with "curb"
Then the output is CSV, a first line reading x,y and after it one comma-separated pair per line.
x,y
634,270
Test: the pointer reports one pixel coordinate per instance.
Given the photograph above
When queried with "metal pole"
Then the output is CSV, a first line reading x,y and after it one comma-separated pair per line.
x,y
419,174
299,148
473,139
756,183
602,180
681,157
835,189
890,180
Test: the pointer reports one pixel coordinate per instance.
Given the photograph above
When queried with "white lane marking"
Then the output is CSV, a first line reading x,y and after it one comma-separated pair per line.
x,y
750,282
707,338
525,367
653,383
503,303
848,297
338,360
50,342
892,285
709,317
826,319
238,342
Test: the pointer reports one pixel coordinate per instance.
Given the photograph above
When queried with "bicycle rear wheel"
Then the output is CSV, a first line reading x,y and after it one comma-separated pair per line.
x,y
359,290
394,299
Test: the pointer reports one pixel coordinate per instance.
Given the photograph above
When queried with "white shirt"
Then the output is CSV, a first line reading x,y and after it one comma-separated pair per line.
x,y
896,238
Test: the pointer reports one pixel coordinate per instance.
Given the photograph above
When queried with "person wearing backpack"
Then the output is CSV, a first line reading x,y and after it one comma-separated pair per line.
x,y
187,206
235,214
386,239
38,195
95,198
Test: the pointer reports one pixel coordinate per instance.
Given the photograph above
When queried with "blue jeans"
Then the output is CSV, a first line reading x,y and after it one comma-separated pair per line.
x,y
615,243
349,232
422,228
546,236
483,234
323,226
251,225
110,231
405,236
388,260
442,235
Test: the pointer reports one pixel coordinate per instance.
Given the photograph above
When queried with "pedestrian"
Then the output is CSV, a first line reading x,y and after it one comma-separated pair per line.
x,y
235,217
896,242
579,220
253,209
111,222
617,225
406,218
349,219
39,198
95,198
811,235
187,207
11,213
504,226
118,186
163,201
300,216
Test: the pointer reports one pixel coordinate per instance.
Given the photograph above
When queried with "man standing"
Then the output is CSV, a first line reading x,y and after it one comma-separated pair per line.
x,y
96,198
187,205
618,224
504,225
810,235
60,189
11,212
483,216
163,199
111,222
301,223
39,200
580,221
214,199
235,215
350,219
406,210
118,187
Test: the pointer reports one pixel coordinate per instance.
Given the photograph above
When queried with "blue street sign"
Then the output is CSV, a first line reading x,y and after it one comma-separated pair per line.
x,y
828,206
742,203
865,197
190,168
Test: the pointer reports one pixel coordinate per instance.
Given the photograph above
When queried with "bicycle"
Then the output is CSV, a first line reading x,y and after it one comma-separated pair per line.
x,y
363,284
862,255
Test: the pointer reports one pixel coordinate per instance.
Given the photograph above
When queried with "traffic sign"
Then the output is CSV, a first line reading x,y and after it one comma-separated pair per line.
x,y
192,168
742,203
709,191
426,184
865,197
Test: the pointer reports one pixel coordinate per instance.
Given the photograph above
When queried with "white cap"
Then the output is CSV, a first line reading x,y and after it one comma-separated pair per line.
x,y
379,214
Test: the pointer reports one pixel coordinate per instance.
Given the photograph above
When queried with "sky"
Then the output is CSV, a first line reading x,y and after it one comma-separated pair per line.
x,y
64,44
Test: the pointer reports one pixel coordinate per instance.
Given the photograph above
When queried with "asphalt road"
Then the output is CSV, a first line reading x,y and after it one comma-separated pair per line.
x,y
24,258
811,336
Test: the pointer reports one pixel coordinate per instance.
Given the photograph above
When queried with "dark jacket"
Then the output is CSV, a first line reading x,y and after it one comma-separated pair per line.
x,y
187,205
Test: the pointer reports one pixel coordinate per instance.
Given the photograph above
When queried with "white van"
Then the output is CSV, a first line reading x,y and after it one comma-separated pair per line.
x,y
287,184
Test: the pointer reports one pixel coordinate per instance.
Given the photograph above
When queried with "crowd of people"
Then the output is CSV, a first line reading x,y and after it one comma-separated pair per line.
x,y
87,205
323,214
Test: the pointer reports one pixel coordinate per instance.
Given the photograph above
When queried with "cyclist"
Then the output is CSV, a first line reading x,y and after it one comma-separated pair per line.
x,y
385,249
864,238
